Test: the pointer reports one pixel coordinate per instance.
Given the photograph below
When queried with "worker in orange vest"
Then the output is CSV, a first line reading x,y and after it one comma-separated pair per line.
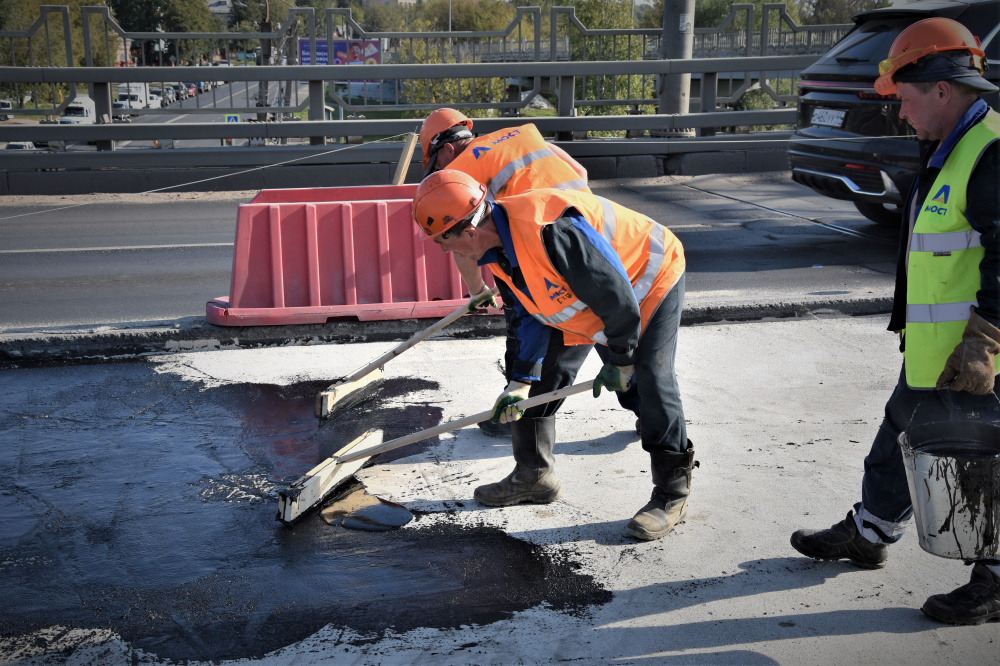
x,y
576,270
508,161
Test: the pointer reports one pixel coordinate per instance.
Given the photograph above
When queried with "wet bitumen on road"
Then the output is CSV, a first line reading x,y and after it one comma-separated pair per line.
x,y
137,515
147,508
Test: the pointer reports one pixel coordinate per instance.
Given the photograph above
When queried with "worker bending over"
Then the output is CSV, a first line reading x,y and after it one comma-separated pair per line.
x,y
577,270
508,162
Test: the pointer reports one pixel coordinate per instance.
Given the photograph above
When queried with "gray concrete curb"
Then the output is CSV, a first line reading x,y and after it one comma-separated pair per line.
x,y
136,339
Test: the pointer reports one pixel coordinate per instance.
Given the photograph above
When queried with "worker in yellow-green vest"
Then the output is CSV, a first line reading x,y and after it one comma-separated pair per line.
x,y
508,162
947,301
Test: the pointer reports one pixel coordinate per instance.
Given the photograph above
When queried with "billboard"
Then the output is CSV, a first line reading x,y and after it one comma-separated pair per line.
x,y
344,52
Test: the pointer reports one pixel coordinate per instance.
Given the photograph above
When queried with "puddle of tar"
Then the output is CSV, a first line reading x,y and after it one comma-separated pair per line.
x,y
357,510
142,503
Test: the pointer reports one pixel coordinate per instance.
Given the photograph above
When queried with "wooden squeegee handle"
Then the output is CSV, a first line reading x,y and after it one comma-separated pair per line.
x,y
564,392
417,337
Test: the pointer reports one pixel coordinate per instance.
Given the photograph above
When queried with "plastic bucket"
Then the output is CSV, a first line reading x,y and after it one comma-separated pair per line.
x,y
953,471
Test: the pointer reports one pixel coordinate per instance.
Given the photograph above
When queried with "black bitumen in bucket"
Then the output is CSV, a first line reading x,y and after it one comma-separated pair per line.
x,y
953,471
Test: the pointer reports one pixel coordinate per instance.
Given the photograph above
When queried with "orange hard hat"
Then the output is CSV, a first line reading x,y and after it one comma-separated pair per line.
x,y
930,37
445,198
438,123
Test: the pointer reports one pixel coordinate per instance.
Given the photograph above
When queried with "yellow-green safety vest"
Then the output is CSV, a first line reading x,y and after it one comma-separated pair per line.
x,y
944,254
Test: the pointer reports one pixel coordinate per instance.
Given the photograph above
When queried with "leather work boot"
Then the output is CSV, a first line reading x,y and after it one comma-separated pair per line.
x,y
975,602
841,542
667,505
533,480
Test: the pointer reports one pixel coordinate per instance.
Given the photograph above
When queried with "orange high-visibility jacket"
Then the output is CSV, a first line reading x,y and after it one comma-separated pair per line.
x,y
512,161
652,256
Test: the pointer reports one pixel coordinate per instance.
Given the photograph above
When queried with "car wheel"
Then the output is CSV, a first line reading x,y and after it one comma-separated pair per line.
x,y
889,216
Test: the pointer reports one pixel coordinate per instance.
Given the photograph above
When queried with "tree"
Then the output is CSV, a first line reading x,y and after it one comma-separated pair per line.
x,y
605,14
711,13
380,18
189,16
481,15
137,15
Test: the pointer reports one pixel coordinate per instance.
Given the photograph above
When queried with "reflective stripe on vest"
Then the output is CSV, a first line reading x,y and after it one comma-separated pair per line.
x,y
516,165
938,313
945,242
642,286
652,257
943,276
577,184
515,160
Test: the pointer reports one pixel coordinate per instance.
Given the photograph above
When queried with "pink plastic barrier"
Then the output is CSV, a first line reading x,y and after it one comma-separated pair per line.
x,y
299,261
315,194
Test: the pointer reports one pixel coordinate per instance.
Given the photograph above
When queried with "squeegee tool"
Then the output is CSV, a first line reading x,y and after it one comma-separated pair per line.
x,y
361,383
323,479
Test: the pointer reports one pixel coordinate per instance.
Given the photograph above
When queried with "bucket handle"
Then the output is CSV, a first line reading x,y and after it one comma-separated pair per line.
x,y
940,387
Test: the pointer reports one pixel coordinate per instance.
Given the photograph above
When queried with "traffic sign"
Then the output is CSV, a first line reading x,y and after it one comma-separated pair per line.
x,y
232,118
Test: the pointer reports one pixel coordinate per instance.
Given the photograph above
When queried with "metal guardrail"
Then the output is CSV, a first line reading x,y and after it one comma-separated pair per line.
x,y
520,41
317,128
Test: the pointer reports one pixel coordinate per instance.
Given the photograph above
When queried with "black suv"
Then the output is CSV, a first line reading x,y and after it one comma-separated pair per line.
x,y
850,143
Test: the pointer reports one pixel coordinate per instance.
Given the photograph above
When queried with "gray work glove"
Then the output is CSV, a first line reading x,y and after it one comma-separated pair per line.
x,y
970,367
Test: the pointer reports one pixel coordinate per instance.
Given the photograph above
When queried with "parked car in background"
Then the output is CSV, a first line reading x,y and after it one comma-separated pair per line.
x,y
155,100
850,142
120,112
20,145
5,105
167,94
191,88
180,90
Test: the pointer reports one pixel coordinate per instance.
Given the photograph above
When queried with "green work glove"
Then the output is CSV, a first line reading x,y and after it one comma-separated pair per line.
x,y
482,299
970,367
615,377
505,409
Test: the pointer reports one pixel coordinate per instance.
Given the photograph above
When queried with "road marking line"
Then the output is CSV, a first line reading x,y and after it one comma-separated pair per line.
x,y
112,249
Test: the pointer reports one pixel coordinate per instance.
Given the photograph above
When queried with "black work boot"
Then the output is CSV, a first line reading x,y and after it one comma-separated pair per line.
x,y
668,504
841,542
491,429
975,602
533,480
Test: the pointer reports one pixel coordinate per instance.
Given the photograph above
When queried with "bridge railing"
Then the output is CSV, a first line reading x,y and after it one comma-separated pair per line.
x,y
741,34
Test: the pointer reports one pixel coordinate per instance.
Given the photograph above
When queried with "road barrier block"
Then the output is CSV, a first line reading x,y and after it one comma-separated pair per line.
x,y
311,256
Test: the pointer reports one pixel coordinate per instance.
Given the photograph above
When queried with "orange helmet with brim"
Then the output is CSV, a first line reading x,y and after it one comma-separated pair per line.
x,y
440,127
934,37
445,198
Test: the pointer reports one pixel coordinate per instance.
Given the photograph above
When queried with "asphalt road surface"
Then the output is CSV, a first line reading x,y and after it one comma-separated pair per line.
x,y
103,259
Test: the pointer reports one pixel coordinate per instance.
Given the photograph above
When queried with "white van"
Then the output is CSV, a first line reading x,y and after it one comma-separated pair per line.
x,y
81,111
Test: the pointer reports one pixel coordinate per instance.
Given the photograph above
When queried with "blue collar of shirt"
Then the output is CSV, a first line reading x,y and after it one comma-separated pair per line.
x,y
971,117
503,228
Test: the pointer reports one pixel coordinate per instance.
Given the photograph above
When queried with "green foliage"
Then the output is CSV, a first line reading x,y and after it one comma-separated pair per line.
x,y
711,13
189,16
137,15
445,92
476,15
396,18
604,14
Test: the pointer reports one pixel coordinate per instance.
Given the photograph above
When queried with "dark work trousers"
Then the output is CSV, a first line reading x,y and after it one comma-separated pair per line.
x,y
662,414
884,491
